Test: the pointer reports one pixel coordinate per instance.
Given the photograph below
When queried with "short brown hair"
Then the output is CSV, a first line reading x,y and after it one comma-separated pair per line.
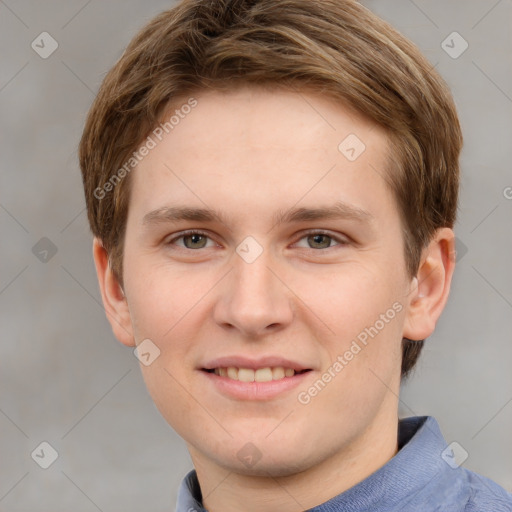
x,y
337,48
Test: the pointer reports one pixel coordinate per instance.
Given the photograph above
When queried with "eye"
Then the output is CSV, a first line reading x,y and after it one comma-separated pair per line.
x,y
191,240
322,240
315,240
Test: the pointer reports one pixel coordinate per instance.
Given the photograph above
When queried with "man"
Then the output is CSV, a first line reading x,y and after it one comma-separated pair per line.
x,y
272,187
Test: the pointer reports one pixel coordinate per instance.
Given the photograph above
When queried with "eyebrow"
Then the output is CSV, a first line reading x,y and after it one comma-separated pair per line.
x,y
338,210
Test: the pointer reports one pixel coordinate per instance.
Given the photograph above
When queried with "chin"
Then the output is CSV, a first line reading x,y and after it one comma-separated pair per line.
x,y
266,467
263,459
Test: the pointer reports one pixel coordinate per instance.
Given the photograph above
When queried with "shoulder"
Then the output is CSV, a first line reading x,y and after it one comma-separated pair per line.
x,y
485,495
439,484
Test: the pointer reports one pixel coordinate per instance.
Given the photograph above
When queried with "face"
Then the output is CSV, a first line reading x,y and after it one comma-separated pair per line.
x,y
261,239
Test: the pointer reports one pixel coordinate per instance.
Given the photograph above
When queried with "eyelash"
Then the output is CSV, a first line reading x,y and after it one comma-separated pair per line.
x,y
339,241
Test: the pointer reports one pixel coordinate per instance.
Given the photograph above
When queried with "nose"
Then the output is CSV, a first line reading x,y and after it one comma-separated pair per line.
x,y
253,299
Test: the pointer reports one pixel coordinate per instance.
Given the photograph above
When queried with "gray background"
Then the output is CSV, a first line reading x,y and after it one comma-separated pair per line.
x,y
66,380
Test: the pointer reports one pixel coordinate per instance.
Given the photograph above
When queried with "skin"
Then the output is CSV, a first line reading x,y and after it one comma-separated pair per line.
x,y
250,153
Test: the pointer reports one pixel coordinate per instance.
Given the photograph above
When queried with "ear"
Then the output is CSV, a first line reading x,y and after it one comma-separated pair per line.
x,y
114,301
431,286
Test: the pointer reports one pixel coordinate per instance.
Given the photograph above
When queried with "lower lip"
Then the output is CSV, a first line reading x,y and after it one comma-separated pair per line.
x,y
255,390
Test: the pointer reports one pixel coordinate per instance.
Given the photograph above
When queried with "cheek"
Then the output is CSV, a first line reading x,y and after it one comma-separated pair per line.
x,y
351,297
360,376
362,314
164,307
160,298
168,389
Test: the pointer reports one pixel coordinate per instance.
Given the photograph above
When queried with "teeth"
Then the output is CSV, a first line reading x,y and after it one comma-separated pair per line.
x,y
263,375
260,375
278,373
245,375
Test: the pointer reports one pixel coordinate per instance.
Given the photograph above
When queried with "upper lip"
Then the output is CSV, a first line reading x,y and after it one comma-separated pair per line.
x,y
262,362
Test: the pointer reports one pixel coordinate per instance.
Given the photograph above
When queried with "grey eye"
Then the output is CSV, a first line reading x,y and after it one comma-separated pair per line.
x,y
319,241
197,241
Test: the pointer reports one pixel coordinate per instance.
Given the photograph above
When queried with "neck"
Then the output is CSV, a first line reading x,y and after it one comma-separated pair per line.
x,y
226,491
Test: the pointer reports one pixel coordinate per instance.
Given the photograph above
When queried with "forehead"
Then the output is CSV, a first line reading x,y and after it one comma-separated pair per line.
x,y
269,116
252,145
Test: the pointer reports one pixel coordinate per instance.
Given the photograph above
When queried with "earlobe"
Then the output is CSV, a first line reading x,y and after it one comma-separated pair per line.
x,y
431,287
114,300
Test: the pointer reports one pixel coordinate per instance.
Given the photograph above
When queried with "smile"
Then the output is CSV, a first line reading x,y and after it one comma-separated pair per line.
x,y
266,374
261,384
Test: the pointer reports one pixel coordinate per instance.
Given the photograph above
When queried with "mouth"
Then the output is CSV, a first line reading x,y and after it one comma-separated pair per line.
x,y
267,377
265,374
